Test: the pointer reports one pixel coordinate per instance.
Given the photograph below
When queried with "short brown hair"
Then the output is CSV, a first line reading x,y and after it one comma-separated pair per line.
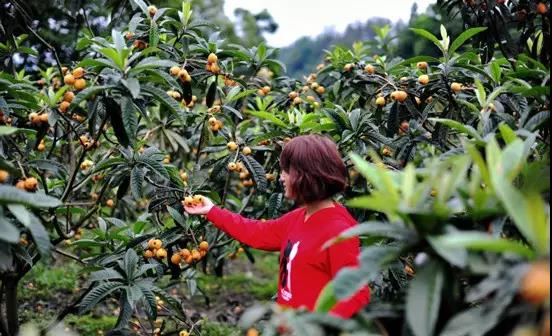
x,y
314,166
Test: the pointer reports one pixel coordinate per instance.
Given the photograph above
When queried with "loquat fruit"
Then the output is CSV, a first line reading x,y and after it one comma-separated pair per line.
x,y
20,184
232,146
68,96
422,65
69,79
212,58
246,150
161,253
535,285
80,84
175,259
369,69
64,106
423,79
152,10
78,72
456,87
4,176
31,183
380,101
203,246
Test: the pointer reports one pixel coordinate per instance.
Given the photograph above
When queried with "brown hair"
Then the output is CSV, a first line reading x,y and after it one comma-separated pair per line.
x,y
315,168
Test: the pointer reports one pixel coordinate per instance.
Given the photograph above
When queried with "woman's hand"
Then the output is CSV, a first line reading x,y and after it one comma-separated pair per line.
x,y
198,207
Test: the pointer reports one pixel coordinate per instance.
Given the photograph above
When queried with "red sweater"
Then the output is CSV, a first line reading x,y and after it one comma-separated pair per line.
x,y
304,267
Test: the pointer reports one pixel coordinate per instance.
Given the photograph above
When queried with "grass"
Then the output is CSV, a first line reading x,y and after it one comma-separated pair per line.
x,y
90,324
46,281
211,328
50,286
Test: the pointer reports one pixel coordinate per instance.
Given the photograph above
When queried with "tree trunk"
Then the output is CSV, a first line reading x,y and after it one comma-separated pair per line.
x,y
12,316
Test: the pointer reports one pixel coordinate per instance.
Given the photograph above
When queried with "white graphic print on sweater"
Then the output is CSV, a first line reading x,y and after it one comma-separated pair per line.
x,y
285,269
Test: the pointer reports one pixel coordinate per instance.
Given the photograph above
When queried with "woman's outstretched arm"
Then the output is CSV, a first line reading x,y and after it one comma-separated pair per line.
x,y
264,235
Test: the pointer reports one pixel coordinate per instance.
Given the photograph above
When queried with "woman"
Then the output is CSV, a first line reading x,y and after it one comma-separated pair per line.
x,y
312,172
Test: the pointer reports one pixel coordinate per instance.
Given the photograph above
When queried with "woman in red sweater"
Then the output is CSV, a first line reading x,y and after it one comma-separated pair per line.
x,y
312,172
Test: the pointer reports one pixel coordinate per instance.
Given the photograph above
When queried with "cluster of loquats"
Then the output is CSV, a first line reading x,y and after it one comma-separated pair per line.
x,y
212,64
87,143
86,164
214,123
189,201
155,249
399,95
38,118
265,90
27,184
75,78
183,176
237,253
190,256
68,97
78,234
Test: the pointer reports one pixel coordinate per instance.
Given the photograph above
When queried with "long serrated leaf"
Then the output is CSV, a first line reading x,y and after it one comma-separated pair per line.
x,y
113,110
97,294
130,119
162,96
136,179
462,38
12,195
257,172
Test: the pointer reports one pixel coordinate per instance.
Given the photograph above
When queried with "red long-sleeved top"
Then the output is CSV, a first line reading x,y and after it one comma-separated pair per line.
x,y
304,267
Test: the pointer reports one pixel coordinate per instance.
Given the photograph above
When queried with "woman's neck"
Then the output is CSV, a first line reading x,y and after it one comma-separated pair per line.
x,y
315,206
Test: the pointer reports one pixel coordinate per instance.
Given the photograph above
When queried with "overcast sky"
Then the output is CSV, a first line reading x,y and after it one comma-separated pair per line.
x,y
297,18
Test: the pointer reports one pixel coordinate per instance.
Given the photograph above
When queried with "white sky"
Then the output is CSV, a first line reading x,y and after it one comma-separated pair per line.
x,y
297,18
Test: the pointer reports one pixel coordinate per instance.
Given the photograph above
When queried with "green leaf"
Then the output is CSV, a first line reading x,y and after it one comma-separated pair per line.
x,y
466,35
136,178
326,299
268,116
257,172
154,166
456,256
12,195
424,298
30,221
480,93
466,129
130,119
211,94
133,86
113,55
373,229
153,35
537,120
81,96
349,280
414,59
424,33
105,274
480,241
8,130
10,233
97,294
162,96
113,110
